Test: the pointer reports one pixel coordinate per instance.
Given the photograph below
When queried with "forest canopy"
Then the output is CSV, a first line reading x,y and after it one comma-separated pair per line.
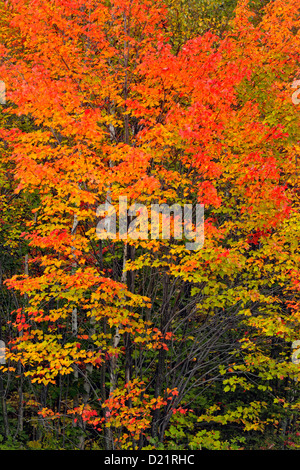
x,y
144,340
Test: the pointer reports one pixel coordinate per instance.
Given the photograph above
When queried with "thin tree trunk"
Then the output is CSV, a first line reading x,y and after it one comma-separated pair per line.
x,y
4,408
74,320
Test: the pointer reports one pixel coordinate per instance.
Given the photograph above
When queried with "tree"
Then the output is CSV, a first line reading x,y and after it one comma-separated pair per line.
x,y
131,331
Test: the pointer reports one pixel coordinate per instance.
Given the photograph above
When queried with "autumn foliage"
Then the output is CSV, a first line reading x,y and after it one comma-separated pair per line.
x,y
143,343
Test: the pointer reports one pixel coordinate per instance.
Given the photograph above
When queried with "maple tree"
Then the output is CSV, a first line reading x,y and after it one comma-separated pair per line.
x,y
116,104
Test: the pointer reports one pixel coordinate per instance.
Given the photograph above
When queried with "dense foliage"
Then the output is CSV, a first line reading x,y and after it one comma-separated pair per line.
x,y
132,343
